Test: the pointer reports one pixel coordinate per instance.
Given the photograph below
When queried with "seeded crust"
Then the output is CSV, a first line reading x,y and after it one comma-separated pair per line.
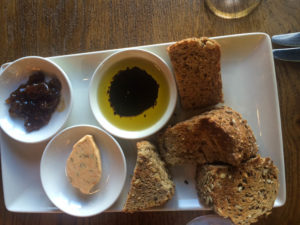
x,y
196,63
151,185
218,135
241,193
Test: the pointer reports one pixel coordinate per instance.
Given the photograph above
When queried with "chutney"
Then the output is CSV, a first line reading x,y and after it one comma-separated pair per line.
x,y
35,101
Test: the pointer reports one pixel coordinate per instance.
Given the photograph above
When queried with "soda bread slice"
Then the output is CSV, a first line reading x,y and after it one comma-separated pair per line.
x,y
218,135
196,63
151,185
241,193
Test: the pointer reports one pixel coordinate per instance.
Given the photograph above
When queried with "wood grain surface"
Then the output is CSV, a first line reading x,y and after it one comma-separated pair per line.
x,y
57,27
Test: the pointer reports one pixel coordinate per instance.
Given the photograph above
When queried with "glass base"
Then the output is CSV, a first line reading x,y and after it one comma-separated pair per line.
x,y
210,220
232,9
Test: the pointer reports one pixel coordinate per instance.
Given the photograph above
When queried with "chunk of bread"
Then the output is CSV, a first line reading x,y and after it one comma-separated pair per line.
x,y
151,185
241,193
84,164
218,135
196,63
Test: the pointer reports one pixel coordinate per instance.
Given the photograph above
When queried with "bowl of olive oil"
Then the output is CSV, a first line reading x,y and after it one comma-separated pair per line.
x,y
132,93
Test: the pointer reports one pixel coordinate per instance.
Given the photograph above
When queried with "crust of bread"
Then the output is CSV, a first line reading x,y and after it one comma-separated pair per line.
x,y
196,63
151,184
218,135
241,193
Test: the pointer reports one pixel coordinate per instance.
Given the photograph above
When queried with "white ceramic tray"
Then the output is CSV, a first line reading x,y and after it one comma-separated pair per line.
x,y
249,86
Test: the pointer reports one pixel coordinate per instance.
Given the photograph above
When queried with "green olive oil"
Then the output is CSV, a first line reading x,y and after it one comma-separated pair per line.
x,y
145,119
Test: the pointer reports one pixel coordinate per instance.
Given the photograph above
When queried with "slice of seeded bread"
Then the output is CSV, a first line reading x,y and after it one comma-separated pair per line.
x,y
151,185
218,135
196,63
241,193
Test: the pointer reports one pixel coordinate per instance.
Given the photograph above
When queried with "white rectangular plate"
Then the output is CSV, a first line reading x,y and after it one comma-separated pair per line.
x,y
249,86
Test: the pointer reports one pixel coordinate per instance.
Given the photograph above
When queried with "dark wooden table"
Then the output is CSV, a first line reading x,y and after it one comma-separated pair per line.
x,y
57,27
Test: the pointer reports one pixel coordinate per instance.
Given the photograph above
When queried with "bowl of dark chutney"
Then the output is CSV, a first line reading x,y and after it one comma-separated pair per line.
x,y
35,99
132,93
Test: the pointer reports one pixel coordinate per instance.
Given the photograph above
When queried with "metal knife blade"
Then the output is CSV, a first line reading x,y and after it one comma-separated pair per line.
x,y
287,54
291,39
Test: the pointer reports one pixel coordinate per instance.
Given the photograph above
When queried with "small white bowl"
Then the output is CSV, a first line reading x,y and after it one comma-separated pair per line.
x,y
56,184
17,73
100,75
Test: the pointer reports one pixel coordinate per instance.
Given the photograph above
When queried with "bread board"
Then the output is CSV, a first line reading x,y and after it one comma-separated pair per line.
x,y
249,86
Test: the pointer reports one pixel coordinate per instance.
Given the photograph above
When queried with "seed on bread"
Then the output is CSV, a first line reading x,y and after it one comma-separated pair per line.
x,y
213,136
196,63
151,184
243,198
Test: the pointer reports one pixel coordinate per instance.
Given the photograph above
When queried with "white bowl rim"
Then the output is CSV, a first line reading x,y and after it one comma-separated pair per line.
x,y
108,135
105,124
69,106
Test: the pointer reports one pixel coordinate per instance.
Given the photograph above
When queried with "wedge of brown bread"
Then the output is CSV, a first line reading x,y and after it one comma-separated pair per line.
x,y
151,185
196,63
241,193
218,135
